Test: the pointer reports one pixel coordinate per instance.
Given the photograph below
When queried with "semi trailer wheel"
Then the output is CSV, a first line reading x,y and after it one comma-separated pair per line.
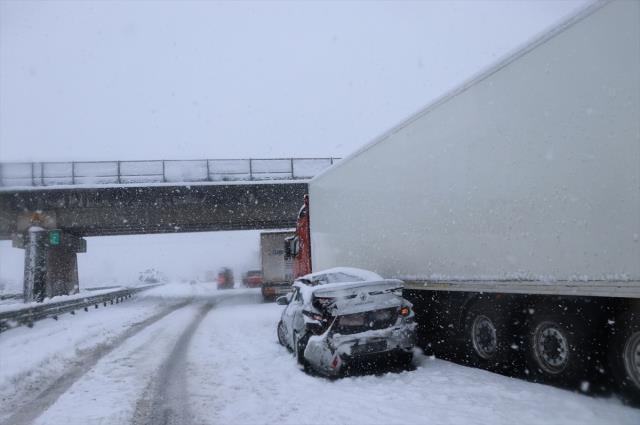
x,y
488,336
559,348
624,356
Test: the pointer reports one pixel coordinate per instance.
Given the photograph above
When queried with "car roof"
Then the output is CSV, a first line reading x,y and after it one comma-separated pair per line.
x,y
339,275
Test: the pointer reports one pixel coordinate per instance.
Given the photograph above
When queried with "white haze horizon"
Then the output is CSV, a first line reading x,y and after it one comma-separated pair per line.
x,y
186,80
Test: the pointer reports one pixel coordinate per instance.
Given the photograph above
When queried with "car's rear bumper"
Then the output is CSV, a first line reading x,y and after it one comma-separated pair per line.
x,y
331,354
376,360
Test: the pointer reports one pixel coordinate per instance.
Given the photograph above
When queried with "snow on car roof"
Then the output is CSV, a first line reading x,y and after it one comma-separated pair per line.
x,y
339,277
361,274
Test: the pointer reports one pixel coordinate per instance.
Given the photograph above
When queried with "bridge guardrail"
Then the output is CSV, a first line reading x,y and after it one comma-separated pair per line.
x,y
30,314
15,174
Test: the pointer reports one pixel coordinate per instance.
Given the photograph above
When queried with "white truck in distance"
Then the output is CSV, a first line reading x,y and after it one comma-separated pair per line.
x,y
511,208
277,273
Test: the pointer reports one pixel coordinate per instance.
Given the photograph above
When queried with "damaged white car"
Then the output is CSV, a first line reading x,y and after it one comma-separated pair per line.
x,y
344,318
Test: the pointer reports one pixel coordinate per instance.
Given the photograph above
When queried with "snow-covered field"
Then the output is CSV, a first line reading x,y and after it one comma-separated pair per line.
x,y
195,355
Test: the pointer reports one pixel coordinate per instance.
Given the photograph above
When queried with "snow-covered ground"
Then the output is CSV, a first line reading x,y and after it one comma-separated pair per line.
x,y
240,374
201,356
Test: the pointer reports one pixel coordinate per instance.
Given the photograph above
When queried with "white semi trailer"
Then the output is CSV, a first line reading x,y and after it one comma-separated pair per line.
x,y
511,207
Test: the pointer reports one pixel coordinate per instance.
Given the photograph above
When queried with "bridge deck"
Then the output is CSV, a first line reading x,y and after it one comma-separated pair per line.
x,y
155,208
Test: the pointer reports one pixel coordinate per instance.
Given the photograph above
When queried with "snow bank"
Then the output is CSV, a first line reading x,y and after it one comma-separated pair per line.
x,y
17,304
31,357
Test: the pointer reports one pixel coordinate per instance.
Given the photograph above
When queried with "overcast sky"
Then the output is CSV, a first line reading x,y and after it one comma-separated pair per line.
x,y
108,80
168,80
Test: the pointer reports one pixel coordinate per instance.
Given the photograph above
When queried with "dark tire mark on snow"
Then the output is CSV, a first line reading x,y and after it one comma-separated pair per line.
x,y
27,412
168,403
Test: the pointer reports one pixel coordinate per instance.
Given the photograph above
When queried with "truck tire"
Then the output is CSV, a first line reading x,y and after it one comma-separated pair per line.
x,y
488,336
624,356
559,347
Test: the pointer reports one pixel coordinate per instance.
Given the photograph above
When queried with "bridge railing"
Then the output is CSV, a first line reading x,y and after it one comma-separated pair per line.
x,y
16,174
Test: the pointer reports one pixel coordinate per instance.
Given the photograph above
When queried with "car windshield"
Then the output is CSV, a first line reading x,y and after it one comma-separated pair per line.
x,y
319,212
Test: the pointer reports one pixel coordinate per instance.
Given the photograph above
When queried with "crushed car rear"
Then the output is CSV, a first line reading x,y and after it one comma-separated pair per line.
x,y
355,324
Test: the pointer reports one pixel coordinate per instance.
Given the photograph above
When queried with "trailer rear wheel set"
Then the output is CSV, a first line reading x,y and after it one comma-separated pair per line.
x,y
569,342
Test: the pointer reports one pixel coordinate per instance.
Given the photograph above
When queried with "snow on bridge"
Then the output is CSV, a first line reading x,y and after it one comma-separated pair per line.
x,y
39,174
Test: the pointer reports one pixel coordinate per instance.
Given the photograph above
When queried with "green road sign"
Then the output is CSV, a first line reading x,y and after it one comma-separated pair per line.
x,y
54,237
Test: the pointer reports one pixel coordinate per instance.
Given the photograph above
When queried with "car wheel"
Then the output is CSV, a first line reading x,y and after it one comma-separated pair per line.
x,y
282,335
300,343
624,356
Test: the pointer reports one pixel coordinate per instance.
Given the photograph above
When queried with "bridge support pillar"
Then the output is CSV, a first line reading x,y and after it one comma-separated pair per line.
x,y
35,264
50,263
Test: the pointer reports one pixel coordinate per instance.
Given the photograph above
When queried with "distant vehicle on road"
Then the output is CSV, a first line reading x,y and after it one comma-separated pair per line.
x,y
225,278
151,276
252,279
342,318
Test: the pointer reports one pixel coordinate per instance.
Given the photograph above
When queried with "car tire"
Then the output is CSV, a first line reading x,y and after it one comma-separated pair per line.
x,y
282,335
488,337
300,344
624,356
558,346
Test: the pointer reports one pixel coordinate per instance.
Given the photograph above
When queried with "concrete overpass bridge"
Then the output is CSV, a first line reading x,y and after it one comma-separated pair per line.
x,y
48,208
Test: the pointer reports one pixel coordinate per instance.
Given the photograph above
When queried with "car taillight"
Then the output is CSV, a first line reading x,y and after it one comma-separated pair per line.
x,y
405,311
335,362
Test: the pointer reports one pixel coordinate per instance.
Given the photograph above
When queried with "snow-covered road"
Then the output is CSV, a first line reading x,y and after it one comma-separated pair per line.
x,y
187,354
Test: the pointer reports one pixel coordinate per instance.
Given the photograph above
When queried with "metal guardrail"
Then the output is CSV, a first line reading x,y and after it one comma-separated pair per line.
x,y
29,315
20,296
14,174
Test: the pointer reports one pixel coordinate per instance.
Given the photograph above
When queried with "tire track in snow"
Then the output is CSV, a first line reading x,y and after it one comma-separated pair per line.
x,y
27,412
169,404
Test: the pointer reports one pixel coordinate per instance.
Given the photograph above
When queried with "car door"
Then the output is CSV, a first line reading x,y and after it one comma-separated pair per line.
x,y
297,320
288,314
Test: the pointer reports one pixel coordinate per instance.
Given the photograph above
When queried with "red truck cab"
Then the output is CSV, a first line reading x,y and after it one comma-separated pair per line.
x,y
298,247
